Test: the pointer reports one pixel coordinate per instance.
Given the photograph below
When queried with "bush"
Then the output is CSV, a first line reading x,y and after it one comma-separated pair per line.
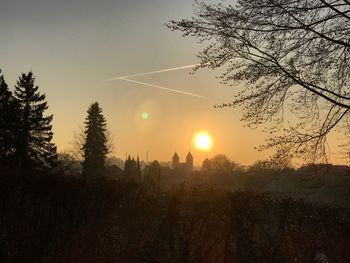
x,y
53,218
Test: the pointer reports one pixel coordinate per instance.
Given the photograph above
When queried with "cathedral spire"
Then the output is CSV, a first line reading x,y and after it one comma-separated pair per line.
x,y
189,161
176,160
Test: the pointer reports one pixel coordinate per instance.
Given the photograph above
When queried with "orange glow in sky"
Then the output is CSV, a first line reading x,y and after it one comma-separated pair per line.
x,y
202,141
157,105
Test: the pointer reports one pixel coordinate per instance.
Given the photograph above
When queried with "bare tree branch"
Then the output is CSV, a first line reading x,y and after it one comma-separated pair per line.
x,y
288,56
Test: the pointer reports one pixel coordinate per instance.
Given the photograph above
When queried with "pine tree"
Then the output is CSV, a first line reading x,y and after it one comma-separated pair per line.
x,y
128,166
95,145
132,168
8,121
34,144
138,167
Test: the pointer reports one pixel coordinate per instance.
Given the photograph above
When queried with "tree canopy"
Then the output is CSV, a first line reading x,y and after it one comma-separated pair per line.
x,y
222,165
281,56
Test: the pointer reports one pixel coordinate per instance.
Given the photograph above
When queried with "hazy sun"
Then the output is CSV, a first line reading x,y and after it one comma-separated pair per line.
x,y
202,141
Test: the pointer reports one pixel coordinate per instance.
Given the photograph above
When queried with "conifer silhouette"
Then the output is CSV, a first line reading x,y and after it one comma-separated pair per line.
x,y
138,167
8,121
95,145
34,143
132,168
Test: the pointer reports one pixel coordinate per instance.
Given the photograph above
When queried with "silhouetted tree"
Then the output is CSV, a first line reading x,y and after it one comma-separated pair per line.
x,y
288,56
154,173
78,141
34,145
67,164
128,166
95,145
206,166
8,121
221,165
138,166
132,168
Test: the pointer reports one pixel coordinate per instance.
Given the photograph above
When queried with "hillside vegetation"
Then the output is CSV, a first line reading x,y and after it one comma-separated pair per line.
x,y
53,218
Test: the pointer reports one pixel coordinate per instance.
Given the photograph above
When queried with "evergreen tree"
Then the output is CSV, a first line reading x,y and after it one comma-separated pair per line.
x,y
8,121
132,168
128,166
154,174
95,145
138,167
34,143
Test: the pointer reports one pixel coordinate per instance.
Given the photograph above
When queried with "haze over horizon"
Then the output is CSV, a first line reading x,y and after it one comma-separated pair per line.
x,y
72,46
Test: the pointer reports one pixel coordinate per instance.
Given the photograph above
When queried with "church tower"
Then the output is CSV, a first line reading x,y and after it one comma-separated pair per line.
x,y
189,161
176,161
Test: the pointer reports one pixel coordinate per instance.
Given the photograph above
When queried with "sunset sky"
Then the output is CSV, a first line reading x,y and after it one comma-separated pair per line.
x,y
72,46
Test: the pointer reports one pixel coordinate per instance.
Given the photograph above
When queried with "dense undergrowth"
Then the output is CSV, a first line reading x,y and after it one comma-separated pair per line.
x,y
53,218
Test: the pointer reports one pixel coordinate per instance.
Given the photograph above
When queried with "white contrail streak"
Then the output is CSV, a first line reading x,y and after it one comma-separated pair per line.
x,y
127,78
163,88
154,72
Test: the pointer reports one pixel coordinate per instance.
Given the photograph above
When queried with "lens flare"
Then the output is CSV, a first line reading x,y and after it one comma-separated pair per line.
x,y
145,116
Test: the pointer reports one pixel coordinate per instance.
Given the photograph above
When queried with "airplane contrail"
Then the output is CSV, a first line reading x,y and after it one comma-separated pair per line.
x,y
127,78
154,72
163,88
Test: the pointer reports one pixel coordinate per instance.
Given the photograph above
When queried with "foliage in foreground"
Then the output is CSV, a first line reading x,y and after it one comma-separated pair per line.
x,y
50,218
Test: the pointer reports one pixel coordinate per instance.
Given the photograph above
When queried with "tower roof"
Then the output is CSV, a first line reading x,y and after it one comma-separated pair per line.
x,y
189,155
176,155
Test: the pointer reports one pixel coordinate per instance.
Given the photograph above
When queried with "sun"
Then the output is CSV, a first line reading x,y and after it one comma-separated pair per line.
x,y
202,141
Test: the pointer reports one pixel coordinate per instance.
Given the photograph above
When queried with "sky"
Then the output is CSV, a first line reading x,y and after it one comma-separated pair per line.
x,y
73,46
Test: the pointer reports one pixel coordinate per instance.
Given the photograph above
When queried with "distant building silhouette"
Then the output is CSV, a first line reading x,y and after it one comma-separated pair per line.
x,y
176,160
187,166
189,161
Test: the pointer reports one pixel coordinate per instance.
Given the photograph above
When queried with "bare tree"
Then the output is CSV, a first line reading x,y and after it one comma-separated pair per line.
x,y
282,56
